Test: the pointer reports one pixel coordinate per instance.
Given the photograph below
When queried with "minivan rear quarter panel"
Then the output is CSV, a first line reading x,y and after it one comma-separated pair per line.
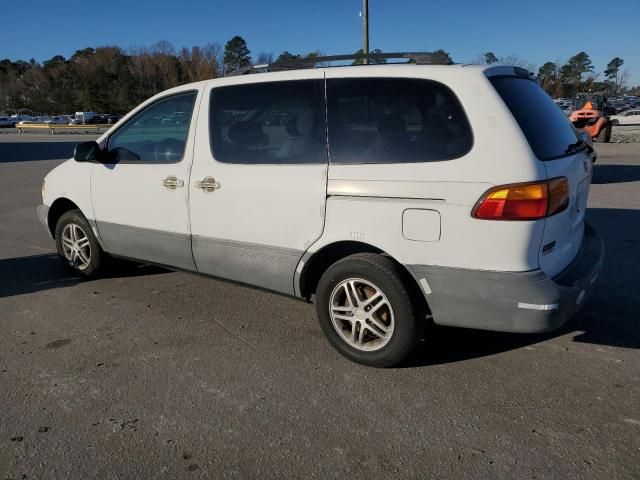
x,y
499,155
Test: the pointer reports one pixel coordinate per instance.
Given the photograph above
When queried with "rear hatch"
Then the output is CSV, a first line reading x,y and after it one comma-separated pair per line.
x,y
556,143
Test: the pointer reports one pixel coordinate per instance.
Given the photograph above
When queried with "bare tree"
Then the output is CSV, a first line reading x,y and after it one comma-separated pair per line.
x,y
264,58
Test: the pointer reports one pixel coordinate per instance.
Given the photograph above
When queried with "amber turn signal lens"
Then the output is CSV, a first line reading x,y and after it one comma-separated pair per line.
x,y
524,201
558,195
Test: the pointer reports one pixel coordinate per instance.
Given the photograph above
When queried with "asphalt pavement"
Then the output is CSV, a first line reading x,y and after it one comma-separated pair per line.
x,y
155,374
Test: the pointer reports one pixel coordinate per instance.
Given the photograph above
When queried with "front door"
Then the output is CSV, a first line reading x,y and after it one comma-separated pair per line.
x,y
258,184
140,197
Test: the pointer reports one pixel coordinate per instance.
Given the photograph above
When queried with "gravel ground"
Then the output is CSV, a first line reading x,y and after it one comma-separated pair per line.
x,y
155,374
625,134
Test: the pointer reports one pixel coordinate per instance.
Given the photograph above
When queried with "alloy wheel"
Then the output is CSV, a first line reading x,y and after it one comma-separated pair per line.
x,y
76,246
361,314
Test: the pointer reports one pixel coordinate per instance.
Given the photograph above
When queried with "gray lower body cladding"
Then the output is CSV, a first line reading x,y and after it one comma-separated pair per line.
x,y
267,267
526,302
43,216
155,246
262,266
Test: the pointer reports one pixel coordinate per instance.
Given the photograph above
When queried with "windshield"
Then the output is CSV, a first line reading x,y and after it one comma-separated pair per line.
x,y
547,129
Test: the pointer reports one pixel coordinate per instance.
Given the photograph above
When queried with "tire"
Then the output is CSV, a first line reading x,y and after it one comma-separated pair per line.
x,y
615,122
607,137
392,330
77,245
604,136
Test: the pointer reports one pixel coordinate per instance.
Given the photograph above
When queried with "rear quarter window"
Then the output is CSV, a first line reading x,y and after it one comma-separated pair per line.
x,y
395,120
547,129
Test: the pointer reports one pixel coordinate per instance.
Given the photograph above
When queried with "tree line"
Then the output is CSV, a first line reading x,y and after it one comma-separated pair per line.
x,y
576,75
110,79
105,79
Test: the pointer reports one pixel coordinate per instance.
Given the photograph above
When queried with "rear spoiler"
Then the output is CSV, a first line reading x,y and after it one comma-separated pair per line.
x,y
508,71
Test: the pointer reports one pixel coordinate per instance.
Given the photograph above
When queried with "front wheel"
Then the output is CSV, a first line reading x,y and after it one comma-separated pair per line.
x,y
604,136
77,245
367,312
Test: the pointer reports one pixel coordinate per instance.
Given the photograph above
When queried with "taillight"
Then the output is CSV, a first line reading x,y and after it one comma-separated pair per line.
x,y
558,195
524,201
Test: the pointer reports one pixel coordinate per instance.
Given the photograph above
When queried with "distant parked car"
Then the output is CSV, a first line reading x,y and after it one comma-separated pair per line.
x,y
35,120
58,120
111,119
566,109
630,117
84,117
97,120
19,118
7,122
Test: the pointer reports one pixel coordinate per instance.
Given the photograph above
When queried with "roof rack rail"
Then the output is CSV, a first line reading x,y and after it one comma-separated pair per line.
x,y
419,58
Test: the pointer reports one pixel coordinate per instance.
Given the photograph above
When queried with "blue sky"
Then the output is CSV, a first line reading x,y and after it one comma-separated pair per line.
x,y
536,31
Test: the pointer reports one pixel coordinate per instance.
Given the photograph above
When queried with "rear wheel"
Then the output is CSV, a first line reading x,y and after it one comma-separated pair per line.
x,y
77,245
366,311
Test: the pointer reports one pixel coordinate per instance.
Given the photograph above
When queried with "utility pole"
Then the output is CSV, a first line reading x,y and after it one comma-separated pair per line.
x,y
365,30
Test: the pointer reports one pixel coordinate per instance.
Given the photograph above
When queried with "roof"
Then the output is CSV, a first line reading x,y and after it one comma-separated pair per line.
x,y
418,58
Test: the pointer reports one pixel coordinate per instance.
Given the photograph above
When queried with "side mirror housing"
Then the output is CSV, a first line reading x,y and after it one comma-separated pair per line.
x,y
584,136
87,152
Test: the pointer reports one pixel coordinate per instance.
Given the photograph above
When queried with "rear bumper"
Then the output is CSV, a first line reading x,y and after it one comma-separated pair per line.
x,y
525,302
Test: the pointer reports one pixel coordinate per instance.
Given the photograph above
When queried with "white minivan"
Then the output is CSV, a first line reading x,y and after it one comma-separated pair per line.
x,y
393,196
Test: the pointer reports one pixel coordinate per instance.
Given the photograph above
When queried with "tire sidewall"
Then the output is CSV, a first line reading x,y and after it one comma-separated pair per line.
x,y
403,337
74,216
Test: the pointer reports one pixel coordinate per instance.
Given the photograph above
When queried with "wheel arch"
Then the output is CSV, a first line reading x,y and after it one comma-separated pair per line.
x,y
58,208
315,266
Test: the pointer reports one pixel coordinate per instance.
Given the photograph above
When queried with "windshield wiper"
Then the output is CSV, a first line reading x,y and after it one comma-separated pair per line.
x,y
577,147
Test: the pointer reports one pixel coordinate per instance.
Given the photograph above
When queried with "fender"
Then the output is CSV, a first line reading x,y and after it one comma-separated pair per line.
x,y
70,181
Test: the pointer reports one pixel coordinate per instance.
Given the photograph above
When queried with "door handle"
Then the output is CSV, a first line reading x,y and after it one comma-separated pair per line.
x,y
208,184
172,182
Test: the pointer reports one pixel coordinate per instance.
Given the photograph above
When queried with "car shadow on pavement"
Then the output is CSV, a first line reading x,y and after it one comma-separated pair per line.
x,y
611,317
609,173
31,151
45,272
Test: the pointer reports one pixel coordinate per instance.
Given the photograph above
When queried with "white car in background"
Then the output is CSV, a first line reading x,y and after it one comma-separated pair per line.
x,y
58,120
21,118
630,117
37,120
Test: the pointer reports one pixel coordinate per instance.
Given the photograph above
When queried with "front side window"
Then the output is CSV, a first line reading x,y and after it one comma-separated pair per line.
x,y
395,120
157,134
268,123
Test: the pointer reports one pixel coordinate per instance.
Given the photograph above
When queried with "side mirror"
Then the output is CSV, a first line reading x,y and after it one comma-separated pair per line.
x,y
87,152
585,137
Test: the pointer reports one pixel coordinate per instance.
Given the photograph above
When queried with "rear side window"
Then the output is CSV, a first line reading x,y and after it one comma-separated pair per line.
x,y
546,128
395,120
266,123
